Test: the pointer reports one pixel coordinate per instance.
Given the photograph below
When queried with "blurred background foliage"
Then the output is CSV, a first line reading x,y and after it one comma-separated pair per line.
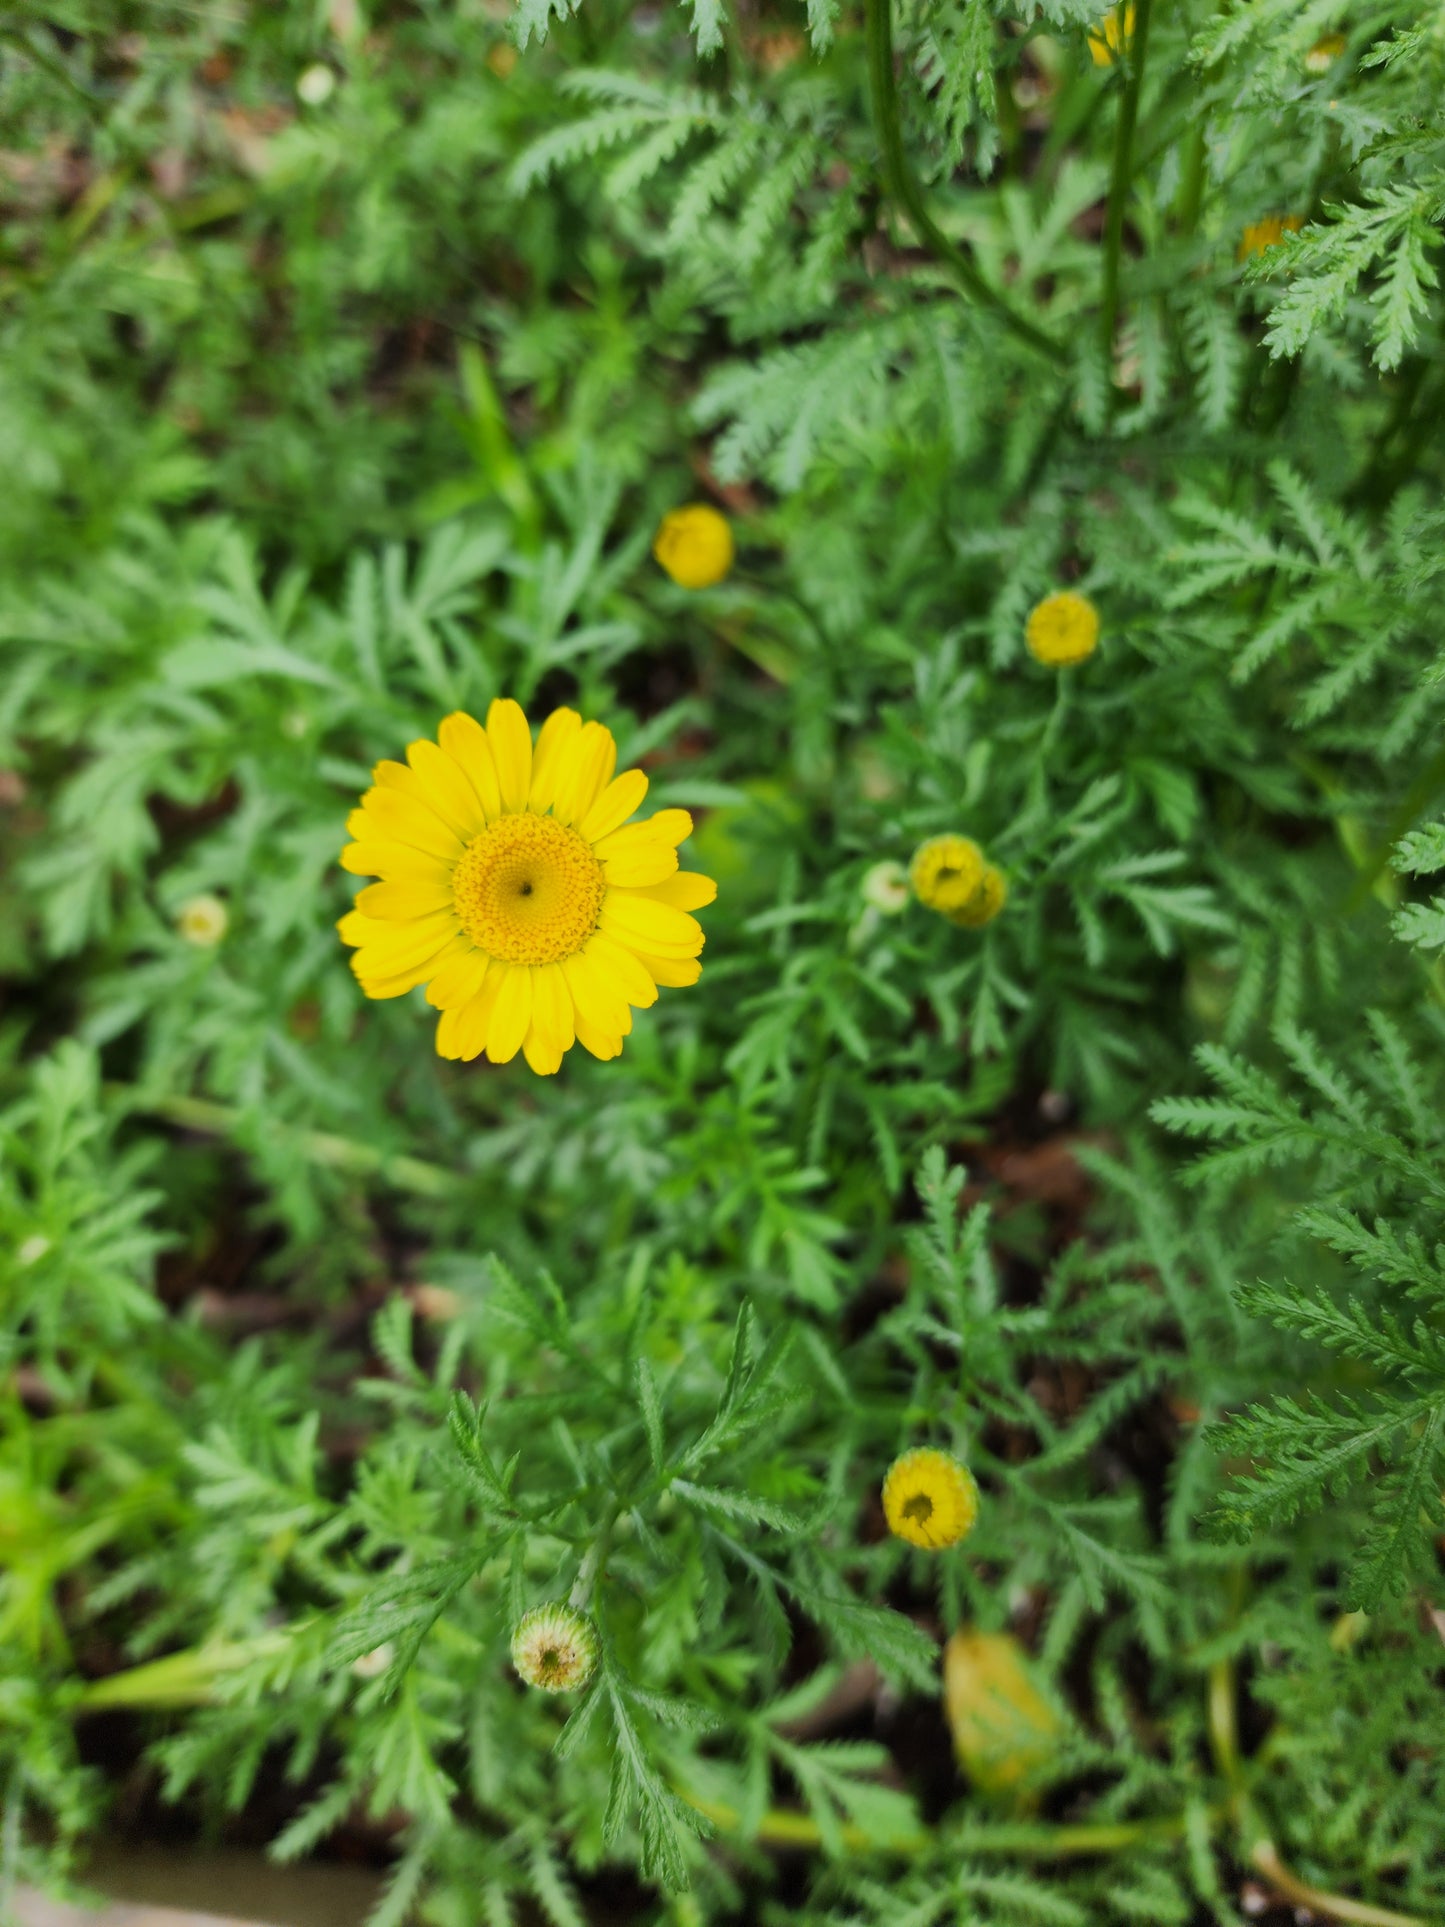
x,y
349,356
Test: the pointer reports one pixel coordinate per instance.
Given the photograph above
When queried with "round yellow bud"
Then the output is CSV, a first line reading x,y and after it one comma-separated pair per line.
x,y
985,903
946,871
1063,629
555,1647
203,921
885,888
1324,53
695,546
930,1499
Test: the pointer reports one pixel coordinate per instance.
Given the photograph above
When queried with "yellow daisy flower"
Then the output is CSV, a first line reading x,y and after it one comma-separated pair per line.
x,y
1260,236
555,1647
695,546
1062,629
514,887
930,1499
946,871
1113,35
985,903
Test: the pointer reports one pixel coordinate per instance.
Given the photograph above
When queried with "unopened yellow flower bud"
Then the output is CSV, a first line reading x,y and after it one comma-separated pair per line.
x,y
1324,53
930,1499
695,546
946,871
1260,236
203,921
885,887
985,903
555,1647
1062,629
1114,35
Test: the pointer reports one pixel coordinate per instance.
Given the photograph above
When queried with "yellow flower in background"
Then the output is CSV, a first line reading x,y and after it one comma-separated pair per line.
x,y
203,921
1324,53
555,1648
695,546
1262,235
985,903
946,871
930,1499
1004,1731
1114,36
1062,630
515,889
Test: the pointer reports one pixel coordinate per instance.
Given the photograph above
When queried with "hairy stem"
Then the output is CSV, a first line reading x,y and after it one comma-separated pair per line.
x,y
1119,184
904,189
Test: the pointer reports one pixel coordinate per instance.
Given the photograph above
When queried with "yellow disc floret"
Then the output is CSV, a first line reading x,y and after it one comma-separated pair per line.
x,y
930,1499
946,872
985,903
1062,629
695,546
528,890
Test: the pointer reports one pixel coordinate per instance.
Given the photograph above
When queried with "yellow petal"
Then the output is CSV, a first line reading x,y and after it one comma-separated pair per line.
x,y
673,973
622,797
511,742
601,1043
550,757
649,925
620,971
395,818
455,805
512,1012
397,983
663,826
401,902
397,862
598,1006
474,1019
354,927
648,863
542,1052
588,770
445,788
458,981
688,890
553,1011
387,947
447,1027
465,741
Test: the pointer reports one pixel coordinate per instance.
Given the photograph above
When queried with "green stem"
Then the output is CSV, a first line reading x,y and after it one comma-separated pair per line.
x,y
593,1561
321,1147
779,1828
1119,186
904,189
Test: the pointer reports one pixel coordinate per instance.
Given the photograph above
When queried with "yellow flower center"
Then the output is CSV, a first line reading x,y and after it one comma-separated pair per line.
x,y
528,890
919,1507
